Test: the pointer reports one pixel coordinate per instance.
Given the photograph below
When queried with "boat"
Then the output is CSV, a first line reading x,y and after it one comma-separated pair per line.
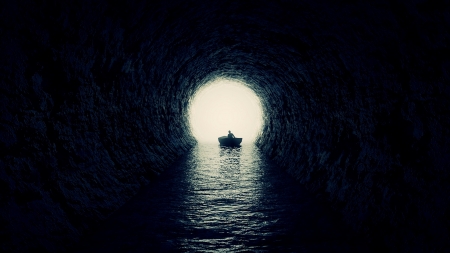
x,y
225,141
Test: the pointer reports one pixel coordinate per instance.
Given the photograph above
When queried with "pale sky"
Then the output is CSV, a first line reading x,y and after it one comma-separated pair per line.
x,y
224,105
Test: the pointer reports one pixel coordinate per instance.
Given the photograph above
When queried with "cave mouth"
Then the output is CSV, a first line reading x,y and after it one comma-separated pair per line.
x,y
224,104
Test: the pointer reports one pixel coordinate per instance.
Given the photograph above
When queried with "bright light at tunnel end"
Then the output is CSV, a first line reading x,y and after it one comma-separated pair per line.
x,y
223,105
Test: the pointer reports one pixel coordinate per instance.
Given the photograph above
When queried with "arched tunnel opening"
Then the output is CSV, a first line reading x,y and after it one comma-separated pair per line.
x,y
224,104
95,98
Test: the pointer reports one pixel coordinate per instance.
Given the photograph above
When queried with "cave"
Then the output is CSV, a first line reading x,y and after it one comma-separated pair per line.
x,y
95,97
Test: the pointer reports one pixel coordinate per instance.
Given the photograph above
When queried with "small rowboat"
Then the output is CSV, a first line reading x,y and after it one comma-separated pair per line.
x,y
225,141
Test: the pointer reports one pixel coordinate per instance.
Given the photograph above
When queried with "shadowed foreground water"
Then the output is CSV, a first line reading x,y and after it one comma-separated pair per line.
x,y
222,200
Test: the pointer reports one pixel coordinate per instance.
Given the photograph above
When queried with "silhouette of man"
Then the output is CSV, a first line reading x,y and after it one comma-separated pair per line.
x,y
230,135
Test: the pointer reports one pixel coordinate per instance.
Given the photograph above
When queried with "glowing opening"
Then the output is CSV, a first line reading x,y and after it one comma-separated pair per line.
x,y
223,105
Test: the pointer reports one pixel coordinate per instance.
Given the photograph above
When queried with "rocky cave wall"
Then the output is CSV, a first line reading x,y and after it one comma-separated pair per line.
x,y
94,99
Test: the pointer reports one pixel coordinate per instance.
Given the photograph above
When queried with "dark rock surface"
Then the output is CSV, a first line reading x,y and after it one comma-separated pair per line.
x,y
94,101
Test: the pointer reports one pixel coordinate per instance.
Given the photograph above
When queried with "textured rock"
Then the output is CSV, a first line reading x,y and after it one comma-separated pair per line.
x,y
94,101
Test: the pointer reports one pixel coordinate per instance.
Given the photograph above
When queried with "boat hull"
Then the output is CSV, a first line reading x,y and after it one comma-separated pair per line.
x,y
225,141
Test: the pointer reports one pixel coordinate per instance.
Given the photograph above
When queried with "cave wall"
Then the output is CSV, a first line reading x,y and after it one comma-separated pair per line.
x,y
84,123
370,130
94,99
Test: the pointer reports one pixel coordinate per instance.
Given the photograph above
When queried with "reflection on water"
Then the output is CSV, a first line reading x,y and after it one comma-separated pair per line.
x,y
222,200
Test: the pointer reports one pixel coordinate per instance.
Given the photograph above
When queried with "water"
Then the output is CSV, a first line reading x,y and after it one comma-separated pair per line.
x,y
222,200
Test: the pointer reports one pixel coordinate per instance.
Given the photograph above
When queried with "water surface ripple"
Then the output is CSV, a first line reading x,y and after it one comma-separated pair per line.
x,y
222,200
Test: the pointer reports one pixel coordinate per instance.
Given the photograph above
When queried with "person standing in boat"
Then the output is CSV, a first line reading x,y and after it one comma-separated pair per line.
x,y
230,134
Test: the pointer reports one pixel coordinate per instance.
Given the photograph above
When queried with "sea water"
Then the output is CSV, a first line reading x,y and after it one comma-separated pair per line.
x,y
222,199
